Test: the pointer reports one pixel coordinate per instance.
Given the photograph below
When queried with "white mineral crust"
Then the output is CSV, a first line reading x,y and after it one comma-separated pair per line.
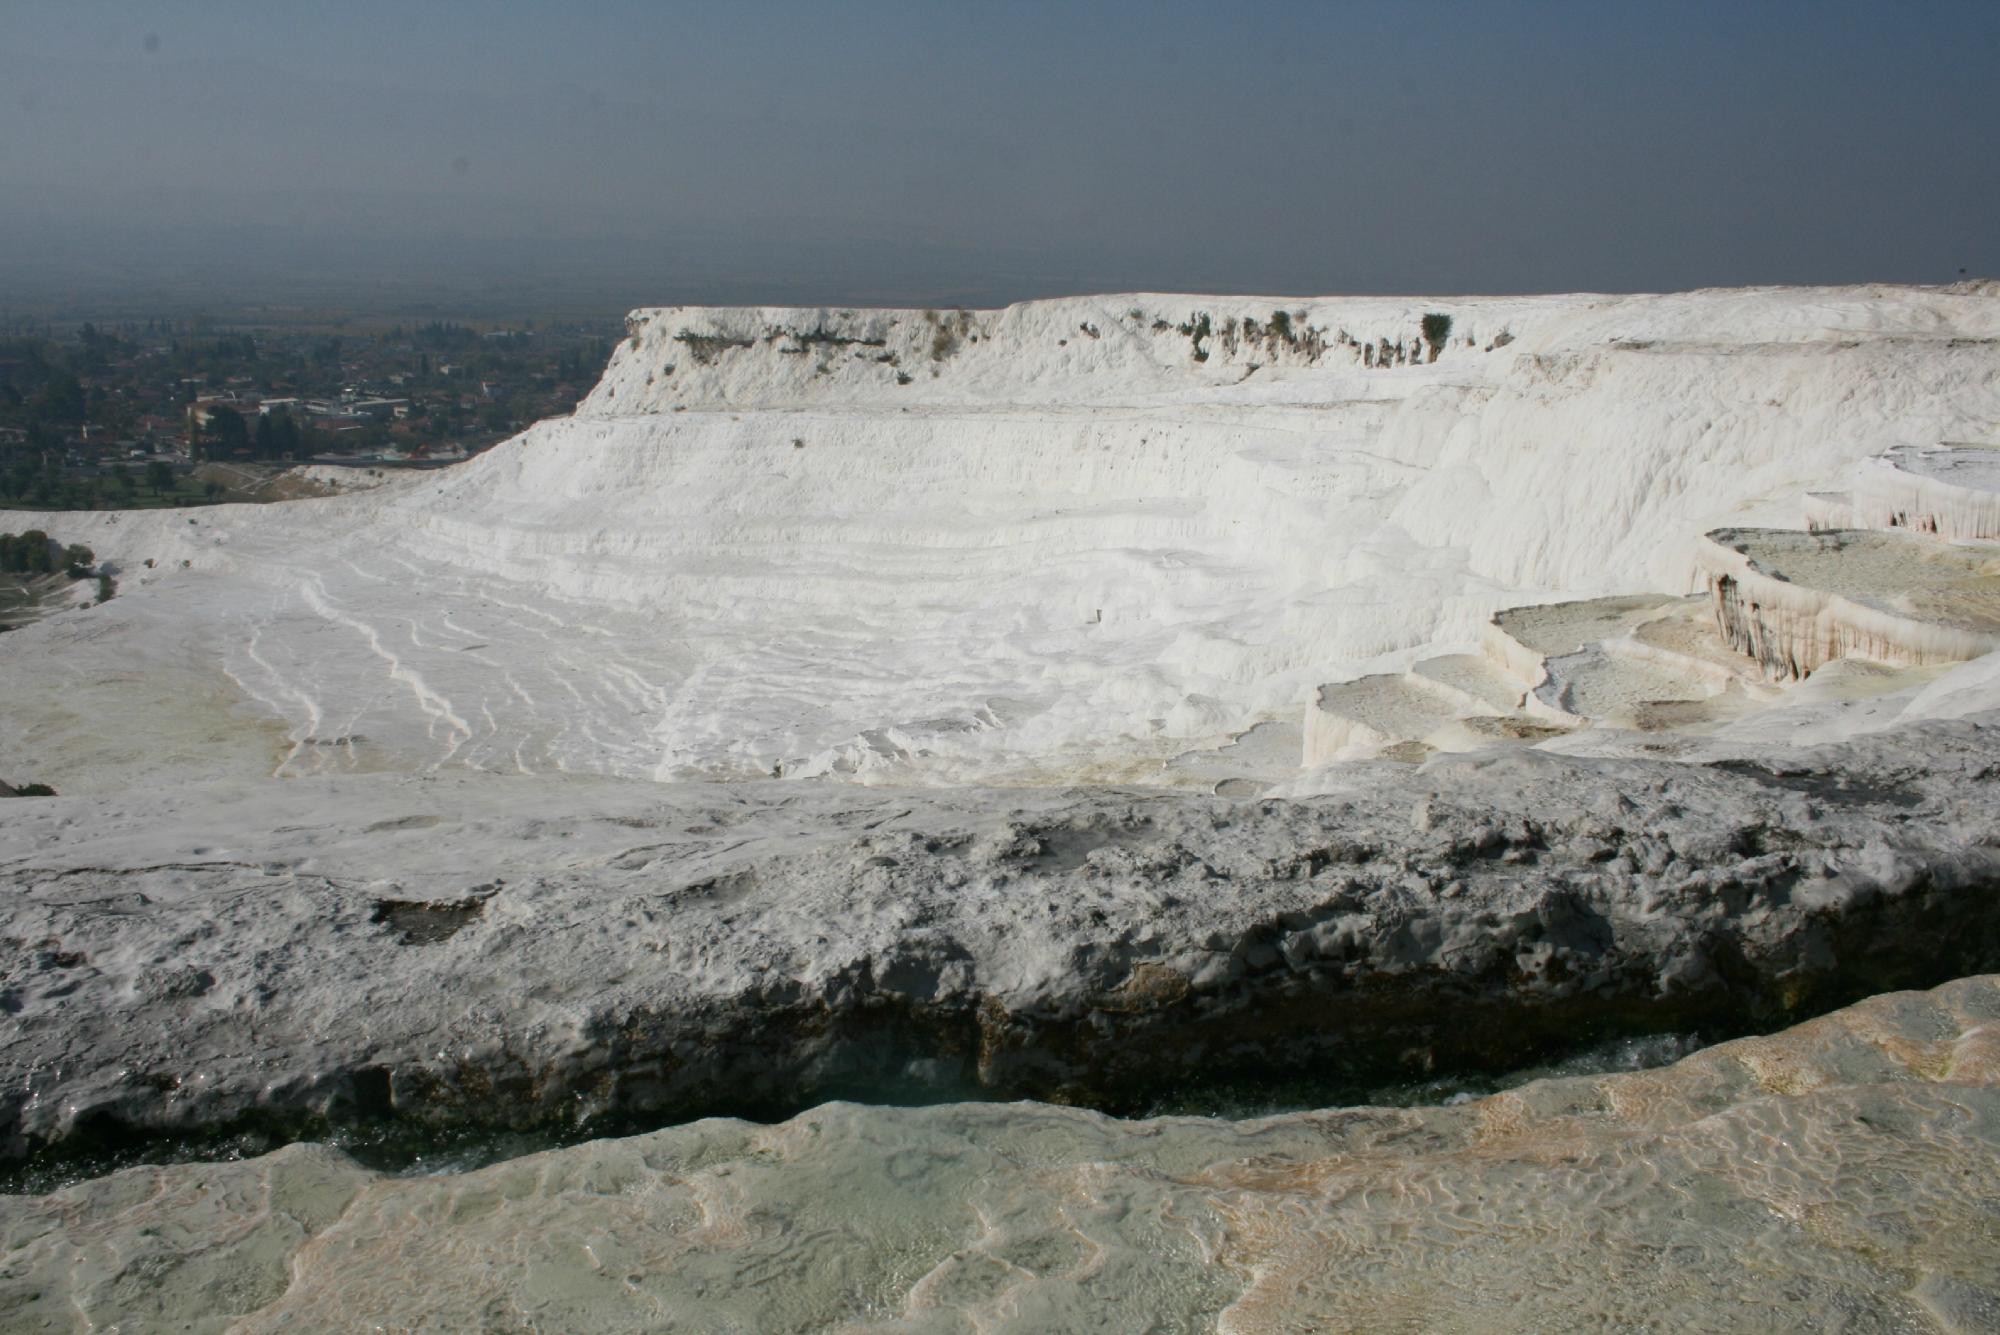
x,y
1066,551
916,700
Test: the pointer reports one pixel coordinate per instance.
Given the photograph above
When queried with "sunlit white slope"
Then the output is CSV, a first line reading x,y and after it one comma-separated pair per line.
x,y
1037,544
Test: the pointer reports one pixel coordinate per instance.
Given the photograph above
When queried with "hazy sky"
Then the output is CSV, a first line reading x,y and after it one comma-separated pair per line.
x,y
858,151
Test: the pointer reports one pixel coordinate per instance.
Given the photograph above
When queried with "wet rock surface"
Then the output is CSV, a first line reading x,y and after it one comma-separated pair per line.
x,y
1839,1175
474,950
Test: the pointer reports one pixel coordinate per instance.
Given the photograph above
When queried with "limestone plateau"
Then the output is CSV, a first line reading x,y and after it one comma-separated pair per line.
x,y
1103,704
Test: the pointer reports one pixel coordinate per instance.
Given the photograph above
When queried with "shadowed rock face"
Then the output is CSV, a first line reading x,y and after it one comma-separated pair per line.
x,y
483,951
1844,1168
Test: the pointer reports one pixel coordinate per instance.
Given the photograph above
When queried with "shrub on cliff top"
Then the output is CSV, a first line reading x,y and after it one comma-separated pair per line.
x,y
1437,328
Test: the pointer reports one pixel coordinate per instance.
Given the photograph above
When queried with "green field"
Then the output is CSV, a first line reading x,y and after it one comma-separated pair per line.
x,y
73,496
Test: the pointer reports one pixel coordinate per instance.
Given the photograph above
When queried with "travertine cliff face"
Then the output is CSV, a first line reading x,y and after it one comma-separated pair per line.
x,y
1071,554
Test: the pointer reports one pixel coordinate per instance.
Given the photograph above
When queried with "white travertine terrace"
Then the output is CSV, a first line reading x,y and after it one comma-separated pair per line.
x,y
1950,491
1795,600
916,700
1631,662
1826,511
1066,551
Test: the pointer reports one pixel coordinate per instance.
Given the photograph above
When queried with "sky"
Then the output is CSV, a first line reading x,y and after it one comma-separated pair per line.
x,y
614,153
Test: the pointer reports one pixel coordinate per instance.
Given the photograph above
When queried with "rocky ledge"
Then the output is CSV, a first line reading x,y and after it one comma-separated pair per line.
x,y
1840,1175
473,950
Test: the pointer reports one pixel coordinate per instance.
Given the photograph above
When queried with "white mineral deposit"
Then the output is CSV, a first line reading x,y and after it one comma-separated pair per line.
x,y
1110,813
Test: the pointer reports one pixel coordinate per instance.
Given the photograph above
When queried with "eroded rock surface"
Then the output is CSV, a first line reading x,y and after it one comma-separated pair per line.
x,y
480,950
1839,1175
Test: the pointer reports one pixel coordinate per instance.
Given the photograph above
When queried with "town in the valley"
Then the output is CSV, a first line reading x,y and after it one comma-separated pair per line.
x,y
179,410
